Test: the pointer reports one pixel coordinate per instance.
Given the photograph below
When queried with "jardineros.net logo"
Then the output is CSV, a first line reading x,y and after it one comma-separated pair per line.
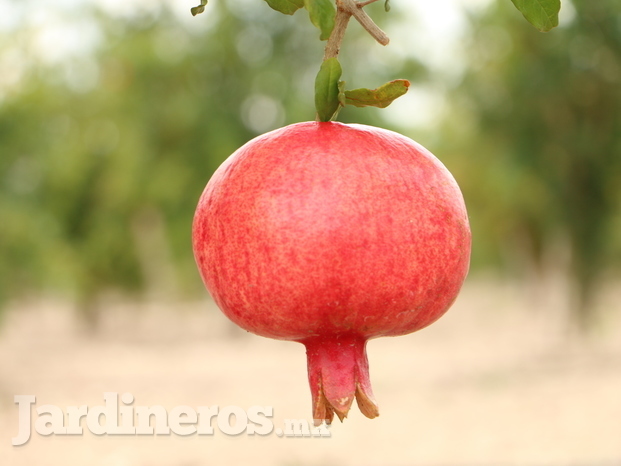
x,y
123,418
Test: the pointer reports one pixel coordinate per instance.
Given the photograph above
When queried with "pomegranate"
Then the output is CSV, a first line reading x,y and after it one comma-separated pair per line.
x,y
329,235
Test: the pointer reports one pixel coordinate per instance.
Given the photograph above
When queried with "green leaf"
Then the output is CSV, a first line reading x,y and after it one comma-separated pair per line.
x,y
199,9
327,89
387,6
543,14
381,97
287,7
322,14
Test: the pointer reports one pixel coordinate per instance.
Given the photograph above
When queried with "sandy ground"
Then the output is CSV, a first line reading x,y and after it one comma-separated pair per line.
x,y
495,382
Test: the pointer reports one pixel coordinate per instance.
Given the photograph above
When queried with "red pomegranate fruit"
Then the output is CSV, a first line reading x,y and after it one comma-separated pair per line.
x,y
329,235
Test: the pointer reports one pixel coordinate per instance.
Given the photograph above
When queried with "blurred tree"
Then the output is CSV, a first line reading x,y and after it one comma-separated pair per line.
x,y
539,116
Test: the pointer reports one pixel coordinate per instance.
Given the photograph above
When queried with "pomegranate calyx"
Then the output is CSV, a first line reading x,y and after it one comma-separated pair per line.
x,y
338,372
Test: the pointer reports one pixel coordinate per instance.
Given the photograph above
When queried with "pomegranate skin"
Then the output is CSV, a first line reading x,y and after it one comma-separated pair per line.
x,y
329,235
320,229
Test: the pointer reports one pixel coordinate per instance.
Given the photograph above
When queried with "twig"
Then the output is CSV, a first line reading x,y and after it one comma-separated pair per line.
x,y
355,9
345,9
368,2
333,47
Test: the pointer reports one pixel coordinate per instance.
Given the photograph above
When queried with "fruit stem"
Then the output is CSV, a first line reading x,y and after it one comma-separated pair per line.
x,y
338,372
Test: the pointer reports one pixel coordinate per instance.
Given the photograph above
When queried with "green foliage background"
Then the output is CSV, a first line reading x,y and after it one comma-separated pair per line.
x,y
540,117
103,157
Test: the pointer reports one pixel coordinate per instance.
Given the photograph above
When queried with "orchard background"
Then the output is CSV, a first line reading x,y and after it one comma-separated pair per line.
x,y
113,115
